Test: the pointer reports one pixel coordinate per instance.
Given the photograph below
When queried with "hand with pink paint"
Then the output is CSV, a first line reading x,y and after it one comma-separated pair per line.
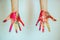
x,y
14,19
44,16
43,19
14,16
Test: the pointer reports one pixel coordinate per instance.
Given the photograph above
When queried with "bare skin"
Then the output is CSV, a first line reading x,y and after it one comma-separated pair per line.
x,y
14,15
44,16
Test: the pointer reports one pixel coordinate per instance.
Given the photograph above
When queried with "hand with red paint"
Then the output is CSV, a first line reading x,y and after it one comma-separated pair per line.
x,y
43,19
14,18
44,16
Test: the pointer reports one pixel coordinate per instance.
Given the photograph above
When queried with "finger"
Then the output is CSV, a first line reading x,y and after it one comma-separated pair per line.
x,y
37,22
42,28
16,26
42,25
48,26
5,20
39,17
52,18
19,26
12,22
10,27
19,19
16,31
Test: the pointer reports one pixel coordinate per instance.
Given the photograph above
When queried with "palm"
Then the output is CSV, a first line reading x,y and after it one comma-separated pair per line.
x,y
43,18
14,18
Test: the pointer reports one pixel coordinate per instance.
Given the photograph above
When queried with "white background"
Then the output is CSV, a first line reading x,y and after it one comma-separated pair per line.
x,y
29,12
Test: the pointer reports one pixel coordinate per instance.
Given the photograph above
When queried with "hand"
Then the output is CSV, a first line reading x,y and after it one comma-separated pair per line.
x,y
14,18
43,18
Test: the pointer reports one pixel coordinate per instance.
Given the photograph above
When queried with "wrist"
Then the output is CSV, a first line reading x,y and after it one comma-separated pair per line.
x,y
44,9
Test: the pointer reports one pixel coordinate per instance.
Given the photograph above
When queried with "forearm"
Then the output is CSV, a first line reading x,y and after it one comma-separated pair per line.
x,y
14,5
43,4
